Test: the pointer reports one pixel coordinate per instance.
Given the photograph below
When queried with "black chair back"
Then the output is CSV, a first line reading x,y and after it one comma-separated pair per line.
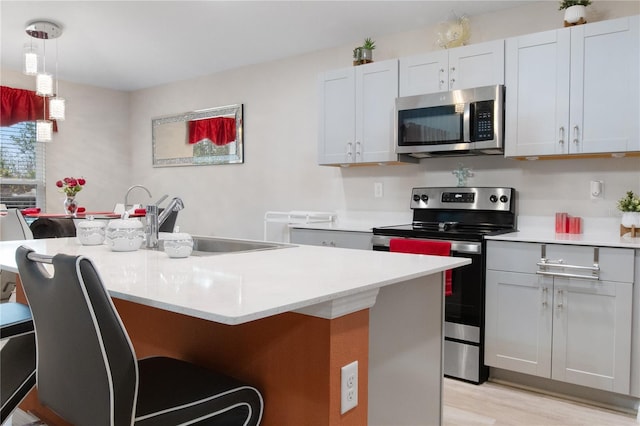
x,y
86,365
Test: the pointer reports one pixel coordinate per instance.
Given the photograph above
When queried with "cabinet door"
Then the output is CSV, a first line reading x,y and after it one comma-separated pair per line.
x,y
605,79
426,73
537,94
592,333
518,322
476,65
336,123
376,93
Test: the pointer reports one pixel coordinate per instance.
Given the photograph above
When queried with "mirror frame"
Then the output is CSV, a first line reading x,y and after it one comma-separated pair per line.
x,y
235,111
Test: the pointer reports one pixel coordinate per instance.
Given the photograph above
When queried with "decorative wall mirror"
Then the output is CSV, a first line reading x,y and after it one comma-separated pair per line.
x,y
199,138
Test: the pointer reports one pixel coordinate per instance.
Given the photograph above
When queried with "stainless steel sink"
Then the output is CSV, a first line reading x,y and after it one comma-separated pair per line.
x,y
207,246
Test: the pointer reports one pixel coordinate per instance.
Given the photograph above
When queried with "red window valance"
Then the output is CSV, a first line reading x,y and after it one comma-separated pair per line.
x,y
219,130
17,105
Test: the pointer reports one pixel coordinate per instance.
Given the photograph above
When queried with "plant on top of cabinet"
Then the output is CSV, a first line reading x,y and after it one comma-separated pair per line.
x,y
575,11
364,54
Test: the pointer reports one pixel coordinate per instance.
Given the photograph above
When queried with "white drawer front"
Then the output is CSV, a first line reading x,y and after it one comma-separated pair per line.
x,y
616,264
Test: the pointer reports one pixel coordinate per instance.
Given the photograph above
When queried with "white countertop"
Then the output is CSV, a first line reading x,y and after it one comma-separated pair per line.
x,y
235,288
602,232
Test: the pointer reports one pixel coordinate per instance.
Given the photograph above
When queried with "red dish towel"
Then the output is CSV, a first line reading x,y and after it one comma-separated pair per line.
x,y
436,248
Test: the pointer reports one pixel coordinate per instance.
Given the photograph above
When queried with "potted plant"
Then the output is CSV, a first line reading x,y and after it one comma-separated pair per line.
x,y
357,56
629,205
366,51
575,11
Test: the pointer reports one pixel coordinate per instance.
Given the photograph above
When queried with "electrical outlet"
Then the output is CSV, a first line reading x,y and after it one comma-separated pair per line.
x,y
377,189
348,387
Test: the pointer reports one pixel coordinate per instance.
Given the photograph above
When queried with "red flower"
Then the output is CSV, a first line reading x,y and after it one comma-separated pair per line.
x,y
70,185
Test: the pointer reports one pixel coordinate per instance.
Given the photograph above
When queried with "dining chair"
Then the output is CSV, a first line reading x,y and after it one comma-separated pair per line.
x,y
87,370
12,227
17,356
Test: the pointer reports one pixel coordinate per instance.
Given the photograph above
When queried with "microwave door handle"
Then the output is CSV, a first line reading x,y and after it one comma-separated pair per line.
x,y
466,122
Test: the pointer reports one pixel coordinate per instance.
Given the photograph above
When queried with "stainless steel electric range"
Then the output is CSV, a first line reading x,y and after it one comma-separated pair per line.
x,y
463,216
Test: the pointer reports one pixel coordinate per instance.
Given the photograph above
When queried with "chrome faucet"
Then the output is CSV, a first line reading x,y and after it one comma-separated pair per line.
x,y
155,220
126,196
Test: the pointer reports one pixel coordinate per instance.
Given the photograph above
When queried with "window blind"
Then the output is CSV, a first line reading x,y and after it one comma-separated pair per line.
x,y
22,167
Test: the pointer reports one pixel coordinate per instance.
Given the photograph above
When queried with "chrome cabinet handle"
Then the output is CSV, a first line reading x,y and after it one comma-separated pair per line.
x,y
358,148
575,134
349,153
561,141
560,295
545,292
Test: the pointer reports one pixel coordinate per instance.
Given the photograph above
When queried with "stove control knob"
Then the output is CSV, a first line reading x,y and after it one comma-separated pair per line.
x,y
425,197
493,199
416,197
504,198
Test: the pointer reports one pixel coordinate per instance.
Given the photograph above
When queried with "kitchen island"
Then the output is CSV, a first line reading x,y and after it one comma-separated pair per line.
x,y
287,320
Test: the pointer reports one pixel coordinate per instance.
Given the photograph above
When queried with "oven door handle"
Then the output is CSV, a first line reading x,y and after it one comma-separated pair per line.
x,y
468,247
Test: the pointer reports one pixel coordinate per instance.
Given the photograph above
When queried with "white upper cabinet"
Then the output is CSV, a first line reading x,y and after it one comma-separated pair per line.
x,y
463,67
357,107
573,90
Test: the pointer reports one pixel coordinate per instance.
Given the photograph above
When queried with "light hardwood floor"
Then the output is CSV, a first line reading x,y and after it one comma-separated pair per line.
x,y
496,404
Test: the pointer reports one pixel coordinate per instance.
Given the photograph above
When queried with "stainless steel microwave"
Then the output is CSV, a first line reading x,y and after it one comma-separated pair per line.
x,y
459,122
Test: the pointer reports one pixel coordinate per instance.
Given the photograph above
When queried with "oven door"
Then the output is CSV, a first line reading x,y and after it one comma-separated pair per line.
x,y
465,306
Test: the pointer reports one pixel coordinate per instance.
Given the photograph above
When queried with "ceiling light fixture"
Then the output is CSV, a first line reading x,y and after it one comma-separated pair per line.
x,y
44,30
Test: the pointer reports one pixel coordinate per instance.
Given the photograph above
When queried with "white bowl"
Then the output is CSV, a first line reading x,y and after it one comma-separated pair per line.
x,y
91,232
177,244
124,235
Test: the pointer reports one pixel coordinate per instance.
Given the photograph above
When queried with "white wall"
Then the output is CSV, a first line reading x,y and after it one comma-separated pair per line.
x,y
92,142
280,171
107,139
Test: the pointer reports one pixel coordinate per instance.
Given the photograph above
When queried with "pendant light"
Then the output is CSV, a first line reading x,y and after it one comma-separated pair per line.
x,y
57,105
30,62
45,30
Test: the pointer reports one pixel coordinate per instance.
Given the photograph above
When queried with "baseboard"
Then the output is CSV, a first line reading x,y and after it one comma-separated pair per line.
x,y
580,394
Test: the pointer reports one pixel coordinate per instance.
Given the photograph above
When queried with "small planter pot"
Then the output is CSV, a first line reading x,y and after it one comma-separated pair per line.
x,y
575,15
366,56
630,219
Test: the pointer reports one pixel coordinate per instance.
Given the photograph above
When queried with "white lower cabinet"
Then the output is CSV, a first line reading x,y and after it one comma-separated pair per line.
x,y
331,238
556,326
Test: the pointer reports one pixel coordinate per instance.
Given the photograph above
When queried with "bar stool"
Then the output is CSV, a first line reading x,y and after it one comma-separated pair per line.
x,y
87,370
13,227
17,356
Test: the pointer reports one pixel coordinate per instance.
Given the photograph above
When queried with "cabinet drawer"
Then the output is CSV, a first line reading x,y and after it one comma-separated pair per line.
x,y
616,264
319,237
513,256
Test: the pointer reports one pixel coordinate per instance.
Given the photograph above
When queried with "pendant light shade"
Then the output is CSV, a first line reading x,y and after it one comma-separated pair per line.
x,y
44,130
44,84
44,30
57,108
30,63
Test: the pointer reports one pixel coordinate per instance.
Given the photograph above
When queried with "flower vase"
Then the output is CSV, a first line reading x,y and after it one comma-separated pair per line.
x,y
70,205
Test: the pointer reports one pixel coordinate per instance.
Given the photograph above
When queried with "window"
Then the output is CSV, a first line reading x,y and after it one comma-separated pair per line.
x,y
21,166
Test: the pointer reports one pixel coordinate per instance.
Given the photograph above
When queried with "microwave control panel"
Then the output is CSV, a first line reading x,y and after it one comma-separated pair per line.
x,y
482,121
